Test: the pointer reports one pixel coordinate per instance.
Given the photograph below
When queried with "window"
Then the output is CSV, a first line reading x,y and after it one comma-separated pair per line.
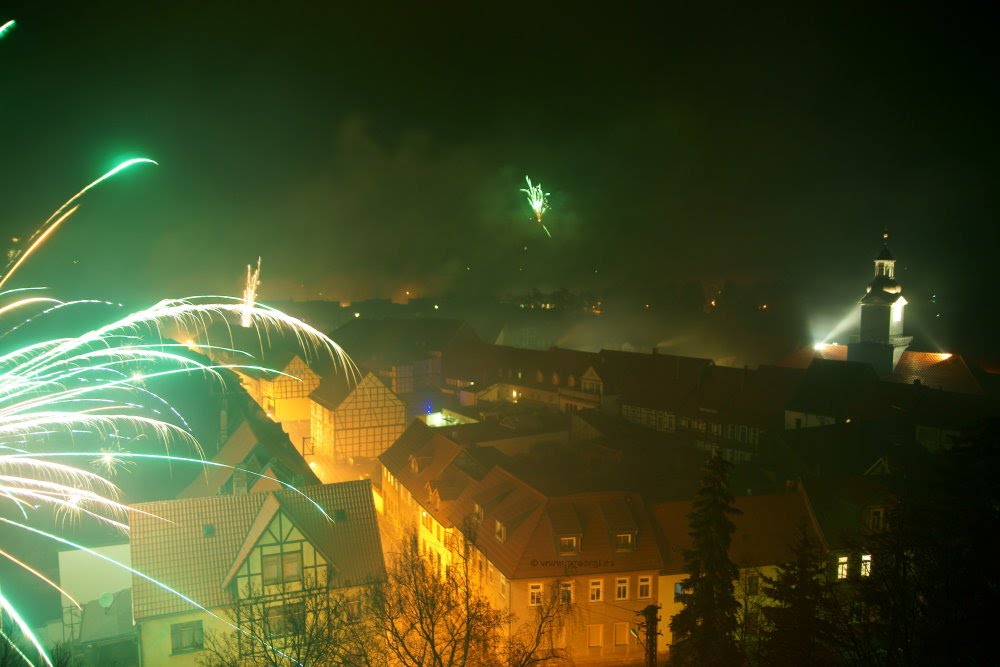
x,y
504,586
566,592
866,565
186,637
596,590
621,634
595,636
569,545
645,588
678,592
500,531
534,595
282,568
624,542
285,619
354,609
621,588
842,567
875,519
477,511
489,572
753,584
427,521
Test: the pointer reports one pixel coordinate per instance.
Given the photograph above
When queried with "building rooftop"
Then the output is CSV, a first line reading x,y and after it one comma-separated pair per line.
x,y
191,545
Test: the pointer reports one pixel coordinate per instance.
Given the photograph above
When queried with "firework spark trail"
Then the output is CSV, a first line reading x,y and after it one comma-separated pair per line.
x,y
5,27
250,293
537,199
60,215
90,384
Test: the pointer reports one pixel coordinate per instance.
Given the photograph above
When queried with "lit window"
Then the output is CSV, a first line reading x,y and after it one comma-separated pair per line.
x,y
866,565
568,545
186,637
645,588
534,594
621,588
566,592
500,532
282,568
842,567
596,590
624,541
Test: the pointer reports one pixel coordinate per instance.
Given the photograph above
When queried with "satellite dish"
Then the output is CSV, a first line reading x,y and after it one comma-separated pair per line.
x,y
106,599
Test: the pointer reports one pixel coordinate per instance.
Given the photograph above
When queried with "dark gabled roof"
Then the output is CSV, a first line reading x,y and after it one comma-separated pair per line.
x,y
766,529
835,388
171,545
655,380
256,444
884,254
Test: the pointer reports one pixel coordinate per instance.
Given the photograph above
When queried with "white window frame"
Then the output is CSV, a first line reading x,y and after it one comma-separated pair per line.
x,y
621,588
842,563
596,590
499,531
646,582
866,565
567,587
535,592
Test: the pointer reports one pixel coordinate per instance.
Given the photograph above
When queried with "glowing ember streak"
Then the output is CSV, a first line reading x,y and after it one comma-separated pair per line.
x,y
60,215
94,384
250,293
537,199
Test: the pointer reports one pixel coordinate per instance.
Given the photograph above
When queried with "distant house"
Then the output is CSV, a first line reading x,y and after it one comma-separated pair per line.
x,y
350,422
215,550
256,455
283,396
766,529
406,354
597,551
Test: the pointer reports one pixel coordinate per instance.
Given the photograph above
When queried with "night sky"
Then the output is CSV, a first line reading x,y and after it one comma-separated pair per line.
x,y
366,151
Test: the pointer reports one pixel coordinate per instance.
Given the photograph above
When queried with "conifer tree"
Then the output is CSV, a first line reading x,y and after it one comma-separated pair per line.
x,y
800,614
704,630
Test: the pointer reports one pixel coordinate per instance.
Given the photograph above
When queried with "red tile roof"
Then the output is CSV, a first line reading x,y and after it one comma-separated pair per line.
x,y
765,531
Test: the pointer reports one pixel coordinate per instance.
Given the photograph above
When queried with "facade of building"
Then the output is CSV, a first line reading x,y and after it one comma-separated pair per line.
x,y
597,551
766,528
200,556
284,396
352,422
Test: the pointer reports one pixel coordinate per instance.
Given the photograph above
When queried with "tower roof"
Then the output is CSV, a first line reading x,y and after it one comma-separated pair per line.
x,y
885,254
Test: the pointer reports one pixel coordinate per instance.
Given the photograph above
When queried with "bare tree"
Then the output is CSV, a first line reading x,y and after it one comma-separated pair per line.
x,y
427,619
304,626
534,641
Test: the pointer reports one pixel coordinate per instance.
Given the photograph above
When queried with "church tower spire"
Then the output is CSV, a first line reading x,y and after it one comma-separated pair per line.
x,y
881,341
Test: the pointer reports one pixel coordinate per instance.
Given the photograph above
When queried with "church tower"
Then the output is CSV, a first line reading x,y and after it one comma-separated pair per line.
x,y
881,342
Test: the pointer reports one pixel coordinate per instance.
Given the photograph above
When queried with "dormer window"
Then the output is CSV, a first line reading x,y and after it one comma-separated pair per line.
x,y
555,379
876,519
569,544
477,511
624,541
500,532
415,465
538,377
